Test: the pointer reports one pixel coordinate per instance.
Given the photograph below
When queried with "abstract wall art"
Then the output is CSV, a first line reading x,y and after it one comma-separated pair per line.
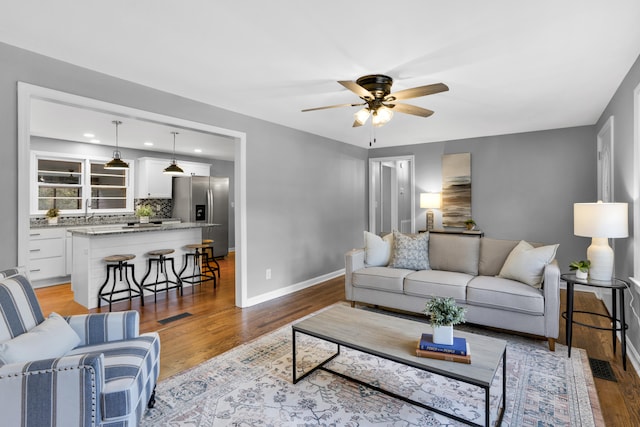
x,y
456,189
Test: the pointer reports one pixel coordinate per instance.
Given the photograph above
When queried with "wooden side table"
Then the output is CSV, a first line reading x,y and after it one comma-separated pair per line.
x,y
617,287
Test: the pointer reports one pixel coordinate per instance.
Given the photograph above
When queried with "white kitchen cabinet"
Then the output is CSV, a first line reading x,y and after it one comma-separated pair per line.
x,y
152,183
47,253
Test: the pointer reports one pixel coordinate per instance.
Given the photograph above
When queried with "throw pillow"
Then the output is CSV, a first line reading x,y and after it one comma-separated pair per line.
x,y
50,339
410,252
526,263
377,250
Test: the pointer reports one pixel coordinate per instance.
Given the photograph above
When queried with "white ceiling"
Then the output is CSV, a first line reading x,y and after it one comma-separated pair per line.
x,y
60,121
512,66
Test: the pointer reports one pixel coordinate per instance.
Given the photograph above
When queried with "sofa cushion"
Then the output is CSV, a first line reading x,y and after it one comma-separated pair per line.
x,y
410,251
377,250
128,365
450,252
50,339
526,263
438,283
383,278
493,254
506,294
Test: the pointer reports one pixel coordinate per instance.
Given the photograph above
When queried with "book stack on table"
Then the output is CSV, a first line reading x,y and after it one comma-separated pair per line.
x,y
458,352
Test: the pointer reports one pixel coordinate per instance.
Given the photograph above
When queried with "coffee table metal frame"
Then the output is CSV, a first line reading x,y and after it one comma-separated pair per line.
x,y
297,328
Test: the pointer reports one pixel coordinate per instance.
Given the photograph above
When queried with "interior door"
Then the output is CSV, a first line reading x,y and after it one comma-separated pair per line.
x,y
391,195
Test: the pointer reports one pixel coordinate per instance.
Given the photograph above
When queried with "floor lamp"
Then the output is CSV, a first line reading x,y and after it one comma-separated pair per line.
x,y
600,221
430,201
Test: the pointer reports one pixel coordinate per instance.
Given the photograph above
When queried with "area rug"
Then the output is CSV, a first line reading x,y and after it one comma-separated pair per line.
x,y
251,385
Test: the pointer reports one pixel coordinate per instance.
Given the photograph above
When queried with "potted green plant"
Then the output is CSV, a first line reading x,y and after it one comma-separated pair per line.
x,y
581,268
52,216
443,314
470,224
144,212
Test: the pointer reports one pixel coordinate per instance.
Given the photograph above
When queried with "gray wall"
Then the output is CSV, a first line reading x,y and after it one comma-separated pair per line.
x,y
305,194
621,107
523,185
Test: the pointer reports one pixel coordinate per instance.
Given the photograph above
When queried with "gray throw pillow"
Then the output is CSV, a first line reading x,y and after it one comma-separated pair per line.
x,y
410,252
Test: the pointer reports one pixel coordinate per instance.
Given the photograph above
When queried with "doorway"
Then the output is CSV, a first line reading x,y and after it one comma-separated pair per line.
x,y
28,92
392,194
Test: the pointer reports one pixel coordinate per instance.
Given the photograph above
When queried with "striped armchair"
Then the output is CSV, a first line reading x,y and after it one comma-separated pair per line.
x,y
107,378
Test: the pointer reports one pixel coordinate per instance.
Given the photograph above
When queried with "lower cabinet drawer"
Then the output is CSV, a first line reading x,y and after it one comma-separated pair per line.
x,y
46,268
46,248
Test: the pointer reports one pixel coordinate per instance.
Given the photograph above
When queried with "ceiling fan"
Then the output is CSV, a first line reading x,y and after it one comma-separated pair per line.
x,y
379,102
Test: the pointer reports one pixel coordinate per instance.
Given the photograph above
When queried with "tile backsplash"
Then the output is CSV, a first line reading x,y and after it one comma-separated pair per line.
x,y
161,209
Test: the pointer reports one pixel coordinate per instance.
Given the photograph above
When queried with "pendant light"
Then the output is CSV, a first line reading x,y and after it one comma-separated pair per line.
x,y
173,168
116,162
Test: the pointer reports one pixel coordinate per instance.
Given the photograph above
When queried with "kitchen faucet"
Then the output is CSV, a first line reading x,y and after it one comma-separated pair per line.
x,y
87,205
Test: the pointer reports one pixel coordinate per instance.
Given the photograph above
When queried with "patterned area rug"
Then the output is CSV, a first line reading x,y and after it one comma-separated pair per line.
x,y
251,385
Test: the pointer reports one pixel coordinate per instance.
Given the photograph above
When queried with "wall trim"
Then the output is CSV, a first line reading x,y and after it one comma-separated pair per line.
x,y
294,288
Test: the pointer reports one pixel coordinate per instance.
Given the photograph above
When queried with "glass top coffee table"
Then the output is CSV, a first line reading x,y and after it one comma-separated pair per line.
x,y
395,339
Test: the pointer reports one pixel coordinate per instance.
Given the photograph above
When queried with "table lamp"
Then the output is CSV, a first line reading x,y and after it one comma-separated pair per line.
x,y
430,201
600,221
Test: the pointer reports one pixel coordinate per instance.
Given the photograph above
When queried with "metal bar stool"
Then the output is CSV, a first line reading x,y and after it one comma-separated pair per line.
x,y
209,251
118,263
199,267
159,257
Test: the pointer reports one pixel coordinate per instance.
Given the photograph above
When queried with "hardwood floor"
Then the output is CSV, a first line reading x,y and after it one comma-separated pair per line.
x,y
217,325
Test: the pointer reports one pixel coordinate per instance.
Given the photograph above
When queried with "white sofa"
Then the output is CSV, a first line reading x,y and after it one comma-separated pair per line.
x,y
469,269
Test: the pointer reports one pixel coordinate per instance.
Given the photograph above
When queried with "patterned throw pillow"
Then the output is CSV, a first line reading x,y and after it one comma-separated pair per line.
x,y
410,252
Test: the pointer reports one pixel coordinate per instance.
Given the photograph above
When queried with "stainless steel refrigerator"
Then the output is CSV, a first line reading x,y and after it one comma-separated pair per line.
x,y
204,199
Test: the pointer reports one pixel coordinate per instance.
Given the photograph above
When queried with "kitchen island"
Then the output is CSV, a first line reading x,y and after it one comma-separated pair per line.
x,y
92,244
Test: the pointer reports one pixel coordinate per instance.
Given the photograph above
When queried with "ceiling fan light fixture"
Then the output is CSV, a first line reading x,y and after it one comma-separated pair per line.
x,y
173,168
382,116
362,116
116,163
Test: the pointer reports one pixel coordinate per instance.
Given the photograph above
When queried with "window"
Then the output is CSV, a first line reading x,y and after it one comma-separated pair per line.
x,y
76,185
59,184
108,188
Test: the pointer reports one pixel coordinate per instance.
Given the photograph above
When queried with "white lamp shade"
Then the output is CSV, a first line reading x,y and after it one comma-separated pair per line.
x,y
430,200
607,220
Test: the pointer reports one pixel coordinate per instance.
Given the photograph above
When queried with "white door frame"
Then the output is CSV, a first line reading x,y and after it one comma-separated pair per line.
x,y
372,197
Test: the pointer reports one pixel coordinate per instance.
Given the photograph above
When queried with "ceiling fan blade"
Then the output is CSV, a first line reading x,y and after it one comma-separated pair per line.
x,y
417,92
357,89
410,109
357,124
332,106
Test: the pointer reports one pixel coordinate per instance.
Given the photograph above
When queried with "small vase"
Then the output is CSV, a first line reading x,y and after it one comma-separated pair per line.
x,y
582,275
144,220
52,220
443,334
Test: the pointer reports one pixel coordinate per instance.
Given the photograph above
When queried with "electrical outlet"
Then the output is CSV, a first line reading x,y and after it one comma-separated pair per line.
x,y
268,274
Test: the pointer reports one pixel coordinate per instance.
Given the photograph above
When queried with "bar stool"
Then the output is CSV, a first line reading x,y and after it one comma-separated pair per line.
x,y
209,250
200,263
160,258
118,263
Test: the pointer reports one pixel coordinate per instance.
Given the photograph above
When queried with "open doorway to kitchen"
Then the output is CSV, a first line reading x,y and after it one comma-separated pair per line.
x,y
27,93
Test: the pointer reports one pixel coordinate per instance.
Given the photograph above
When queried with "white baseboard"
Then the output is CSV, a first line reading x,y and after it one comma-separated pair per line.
x,y
293,288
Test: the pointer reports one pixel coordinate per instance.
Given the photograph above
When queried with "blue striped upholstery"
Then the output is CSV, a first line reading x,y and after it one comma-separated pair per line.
x,y
98,328
106,381
19,307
